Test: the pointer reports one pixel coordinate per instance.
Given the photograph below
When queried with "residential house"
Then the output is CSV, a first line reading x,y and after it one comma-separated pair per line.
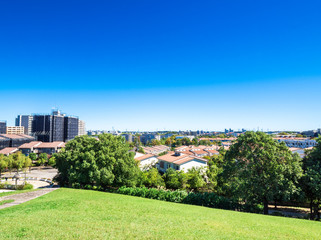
x,y
9,150
180,161
146,161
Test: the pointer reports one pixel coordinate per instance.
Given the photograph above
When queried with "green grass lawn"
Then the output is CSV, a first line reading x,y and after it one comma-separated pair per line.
x,y
84,214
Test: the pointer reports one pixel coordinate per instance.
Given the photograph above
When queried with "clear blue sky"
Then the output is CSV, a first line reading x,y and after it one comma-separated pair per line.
x,y
151,65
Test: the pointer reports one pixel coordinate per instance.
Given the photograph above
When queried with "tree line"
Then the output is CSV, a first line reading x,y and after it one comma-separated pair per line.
x,y
16,161
255,171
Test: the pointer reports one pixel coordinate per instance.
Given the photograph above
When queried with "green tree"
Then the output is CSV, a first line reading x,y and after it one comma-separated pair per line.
x,y
26,164
175,179
186,141
152,178
43,159
18,161
104,162
259,168
155,142
141,150
33,156
168,141
195,179
311,180
3,163
215,168
52,161
195,142
10,162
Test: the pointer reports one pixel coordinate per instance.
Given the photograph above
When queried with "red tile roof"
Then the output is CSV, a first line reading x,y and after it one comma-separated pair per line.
x,y
179,159
51,145
146,156
30,145
8,150
199,152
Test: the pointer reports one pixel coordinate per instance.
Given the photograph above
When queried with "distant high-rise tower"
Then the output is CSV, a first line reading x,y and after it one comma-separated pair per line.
x,y
26,122
3,127
50,128
81,128
71,128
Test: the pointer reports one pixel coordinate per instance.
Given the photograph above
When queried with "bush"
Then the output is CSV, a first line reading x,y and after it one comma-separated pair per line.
x,y
19,187
27,186
153,193
88,186
75,185
1,186
211,200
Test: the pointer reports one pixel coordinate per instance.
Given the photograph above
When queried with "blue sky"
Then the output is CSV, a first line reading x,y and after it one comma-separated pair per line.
x,y
147,65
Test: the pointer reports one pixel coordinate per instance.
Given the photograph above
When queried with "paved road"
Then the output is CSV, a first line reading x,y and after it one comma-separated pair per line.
x,y
43,172
24,197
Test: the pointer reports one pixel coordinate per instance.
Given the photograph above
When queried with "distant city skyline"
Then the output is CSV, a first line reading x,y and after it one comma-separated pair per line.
x,y
181,65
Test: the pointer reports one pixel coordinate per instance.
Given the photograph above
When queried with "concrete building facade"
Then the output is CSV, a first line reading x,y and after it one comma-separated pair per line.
x,y
16,130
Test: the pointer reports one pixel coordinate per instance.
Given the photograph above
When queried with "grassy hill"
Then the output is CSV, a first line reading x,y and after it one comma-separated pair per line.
x,y
83,214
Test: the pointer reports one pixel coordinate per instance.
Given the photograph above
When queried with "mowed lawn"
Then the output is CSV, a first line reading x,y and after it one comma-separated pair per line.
x,y
84,214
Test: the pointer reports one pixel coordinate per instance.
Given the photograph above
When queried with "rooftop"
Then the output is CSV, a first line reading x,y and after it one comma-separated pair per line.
x,y
8,150
146,156
179,159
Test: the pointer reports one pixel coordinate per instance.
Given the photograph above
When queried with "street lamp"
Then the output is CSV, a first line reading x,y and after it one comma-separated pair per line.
x,y
16,176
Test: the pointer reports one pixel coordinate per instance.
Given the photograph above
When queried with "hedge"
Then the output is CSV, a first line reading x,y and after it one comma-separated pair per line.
x,y
202,199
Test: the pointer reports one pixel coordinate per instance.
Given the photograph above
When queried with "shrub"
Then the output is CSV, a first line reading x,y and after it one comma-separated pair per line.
x,y
75,185
19,187
27,186
211,200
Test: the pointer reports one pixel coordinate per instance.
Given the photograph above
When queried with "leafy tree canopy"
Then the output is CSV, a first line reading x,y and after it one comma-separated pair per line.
x,y
260,169
103,162
311,180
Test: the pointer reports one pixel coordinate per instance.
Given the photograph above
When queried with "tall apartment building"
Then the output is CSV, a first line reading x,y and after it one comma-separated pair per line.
x,y
55,127
26,122
71,128
81,128
15,130
3,127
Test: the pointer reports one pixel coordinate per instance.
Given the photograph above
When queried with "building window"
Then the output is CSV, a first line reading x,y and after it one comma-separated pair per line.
x,y
161,164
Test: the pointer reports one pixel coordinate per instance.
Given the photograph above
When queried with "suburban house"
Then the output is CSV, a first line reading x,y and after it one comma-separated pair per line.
x,y
146,160
28,148
211,150
199,151
50,147
9,150
41,147
180,161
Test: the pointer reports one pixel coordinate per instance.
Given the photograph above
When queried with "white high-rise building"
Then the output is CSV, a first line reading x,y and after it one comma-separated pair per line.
x,y
81,128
